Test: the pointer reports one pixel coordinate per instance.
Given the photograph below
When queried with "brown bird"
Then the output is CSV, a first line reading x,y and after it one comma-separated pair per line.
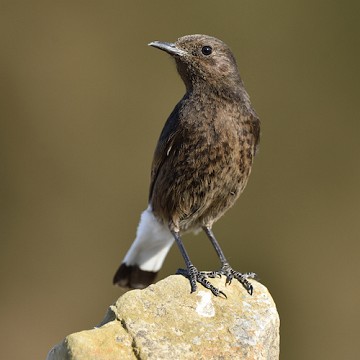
x,y
201,164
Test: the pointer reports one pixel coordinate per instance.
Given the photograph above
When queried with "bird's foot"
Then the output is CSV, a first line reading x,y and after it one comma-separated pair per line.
x,y
231,274
195,276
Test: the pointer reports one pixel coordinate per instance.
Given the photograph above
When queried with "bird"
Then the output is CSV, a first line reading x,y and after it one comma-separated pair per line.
x,y
201,164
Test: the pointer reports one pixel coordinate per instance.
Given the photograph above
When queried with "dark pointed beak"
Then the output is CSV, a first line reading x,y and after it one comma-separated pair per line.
x,y
170,48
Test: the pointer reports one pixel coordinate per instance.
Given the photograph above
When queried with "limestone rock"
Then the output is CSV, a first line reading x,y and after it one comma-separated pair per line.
x,y
165,321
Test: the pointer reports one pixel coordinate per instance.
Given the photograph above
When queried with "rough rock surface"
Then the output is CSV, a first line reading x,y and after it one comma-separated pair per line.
x,y
165,321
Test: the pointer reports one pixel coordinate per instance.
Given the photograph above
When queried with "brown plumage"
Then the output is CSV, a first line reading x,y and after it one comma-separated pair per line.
x,y
204,155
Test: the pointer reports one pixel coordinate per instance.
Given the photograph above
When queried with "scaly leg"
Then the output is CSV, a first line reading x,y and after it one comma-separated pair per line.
x,y
226,269
192,272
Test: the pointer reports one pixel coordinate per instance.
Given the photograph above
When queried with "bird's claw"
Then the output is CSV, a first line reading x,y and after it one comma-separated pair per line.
x,y
200,277
230,274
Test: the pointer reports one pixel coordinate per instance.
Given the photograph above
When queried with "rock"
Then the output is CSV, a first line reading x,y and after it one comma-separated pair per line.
x,y
165,321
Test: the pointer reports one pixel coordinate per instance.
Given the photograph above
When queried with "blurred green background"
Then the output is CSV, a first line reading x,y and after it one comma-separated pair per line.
x,y
82,102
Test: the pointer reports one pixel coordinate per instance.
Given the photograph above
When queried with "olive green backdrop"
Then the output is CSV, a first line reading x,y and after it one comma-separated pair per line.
x,y
82,102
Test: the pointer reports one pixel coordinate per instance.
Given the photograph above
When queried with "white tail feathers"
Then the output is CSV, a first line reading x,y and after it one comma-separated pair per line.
x,y
151,245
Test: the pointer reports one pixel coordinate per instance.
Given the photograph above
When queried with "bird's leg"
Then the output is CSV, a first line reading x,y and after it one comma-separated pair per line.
x,y
226,269
191,272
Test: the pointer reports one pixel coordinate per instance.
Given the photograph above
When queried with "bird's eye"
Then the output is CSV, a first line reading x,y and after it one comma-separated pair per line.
x,y
206,50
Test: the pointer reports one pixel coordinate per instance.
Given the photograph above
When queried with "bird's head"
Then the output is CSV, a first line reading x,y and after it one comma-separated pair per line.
x,y
203,61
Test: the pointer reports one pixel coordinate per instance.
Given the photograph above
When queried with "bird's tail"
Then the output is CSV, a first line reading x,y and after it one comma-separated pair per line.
x,y
146,254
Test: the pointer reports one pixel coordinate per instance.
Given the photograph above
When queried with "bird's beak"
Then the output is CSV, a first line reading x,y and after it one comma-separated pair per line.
x,y
170,48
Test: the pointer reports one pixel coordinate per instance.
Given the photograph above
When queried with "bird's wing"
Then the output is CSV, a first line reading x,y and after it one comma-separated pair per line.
x,y
255,128
166,141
